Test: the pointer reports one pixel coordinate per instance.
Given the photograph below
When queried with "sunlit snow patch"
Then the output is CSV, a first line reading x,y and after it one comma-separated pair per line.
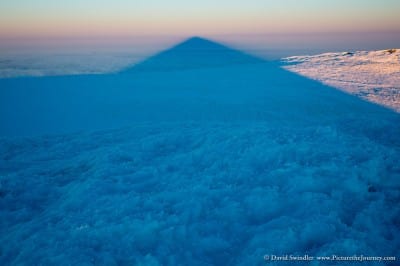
x,y
371,75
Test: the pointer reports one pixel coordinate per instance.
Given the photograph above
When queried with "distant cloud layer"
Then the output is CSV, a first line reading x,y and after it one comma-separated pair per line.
x,y
63,64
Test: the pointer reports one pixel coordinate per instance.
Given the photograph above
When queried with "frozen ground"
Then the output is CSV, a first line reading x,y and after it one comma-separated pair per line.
x,y
371,75
200,155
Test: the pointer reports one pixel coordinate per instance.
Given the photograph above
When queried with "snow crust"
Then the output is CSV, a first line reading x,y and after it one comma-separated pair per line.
x,y
197,194
371,75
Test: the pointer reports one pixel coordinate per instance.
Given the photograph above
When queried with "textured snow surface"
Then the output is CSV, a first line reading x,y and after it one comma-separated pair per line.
x,y
371,75
197,194
204,163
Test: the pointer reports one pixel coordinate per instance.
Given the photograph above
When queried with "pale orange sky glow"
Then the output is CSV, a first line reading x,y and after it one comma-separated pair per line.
x,y
99,18
48,21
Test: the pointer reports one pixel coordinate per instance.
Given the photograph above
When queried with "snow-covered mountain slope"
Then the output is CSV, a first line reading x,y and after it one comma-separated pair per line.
x,y
230,87
214,163
371,75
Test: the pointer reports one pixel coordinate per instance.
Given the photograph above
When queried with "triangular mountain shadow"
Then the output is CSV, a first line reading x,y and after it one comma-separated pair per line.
x,y
195,52
252,90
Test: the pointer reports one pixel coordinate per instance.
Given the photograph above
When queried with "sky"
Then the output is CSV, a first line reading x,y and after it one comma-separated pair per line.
x,y
46,21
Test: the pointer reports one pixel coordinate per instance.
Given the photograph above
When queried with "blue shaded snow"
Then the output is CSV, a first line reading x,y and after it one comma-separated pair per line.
x,y
200,164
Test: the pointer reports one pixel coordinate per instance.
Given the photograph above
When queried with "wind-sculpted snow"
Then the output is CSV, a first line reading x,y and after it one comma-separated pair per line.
x,y
371,75
197,194
214,164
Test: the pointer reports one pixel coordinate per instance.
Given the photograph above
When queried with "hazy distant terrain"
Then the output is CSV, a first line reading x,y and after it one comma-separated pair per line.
x,y
51,64
371,75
